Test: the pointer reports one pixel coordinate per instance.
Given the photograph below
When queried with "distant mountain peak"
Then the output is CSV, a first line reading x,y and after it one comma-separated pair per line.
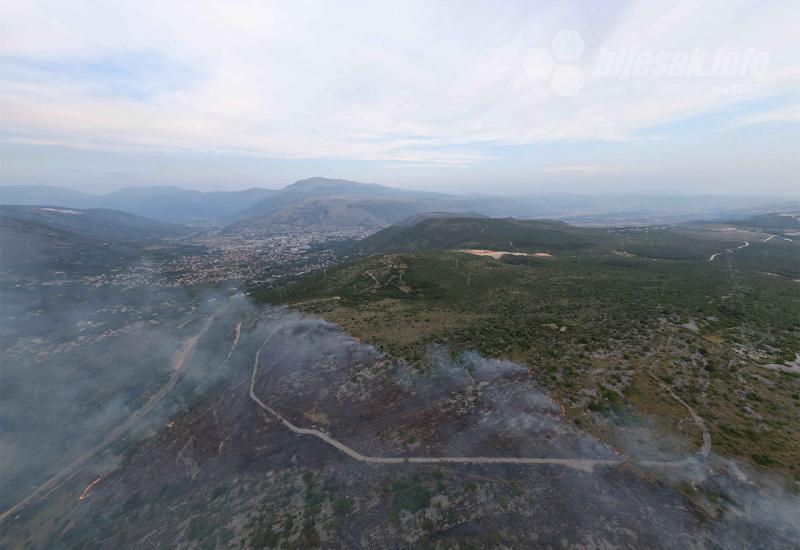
x,y
320,182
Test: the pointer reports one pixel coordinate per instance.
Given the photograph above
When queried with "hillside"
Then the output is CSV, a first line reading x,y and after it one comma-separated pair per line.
x,y
253,207
163,203
42,195
332,214
96,223
633,388
333,204
777,221
499,234
772,222
28,248
695,242
233,455
35,240
605,332
326,188
417,218
176,204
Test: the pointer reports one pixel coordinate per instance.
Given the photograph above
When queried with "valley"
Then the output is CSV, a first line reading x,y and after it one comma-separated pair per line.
x,y
399,276
448,381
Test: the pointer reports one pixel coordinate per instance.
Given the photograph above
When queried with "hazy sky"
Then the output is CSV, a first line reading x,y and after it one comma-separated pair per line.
x,y
464,96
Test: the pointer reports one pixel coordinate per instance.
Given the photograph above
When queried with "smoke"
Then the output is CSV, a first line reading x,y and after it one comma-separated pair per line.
x,y
61,392
78,361
70,367
740,503
467,405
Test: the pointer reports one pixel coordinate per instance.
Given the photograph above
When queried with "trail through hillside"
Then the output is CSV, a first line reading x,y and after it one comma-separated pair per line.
x,y
728,251
583,464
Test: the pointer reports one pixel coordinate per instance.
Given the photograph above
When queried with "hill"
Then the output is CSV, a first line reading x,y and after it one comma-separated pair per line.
x,y
417,218
42,195
163,203
28,248
487,233
96,223
322,203
778,222
229,450
629,379
253,207
176,204
331,214
609,334
694,242
36,239
326,188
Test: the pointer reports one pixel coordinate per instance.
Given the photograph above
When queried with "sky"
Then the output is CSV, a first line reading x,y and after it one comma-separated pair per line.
x,y
462,96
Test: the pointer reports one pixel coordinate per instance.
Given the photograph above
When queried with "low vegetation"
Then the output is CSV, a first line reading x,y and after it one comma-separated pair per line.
x,y
604,332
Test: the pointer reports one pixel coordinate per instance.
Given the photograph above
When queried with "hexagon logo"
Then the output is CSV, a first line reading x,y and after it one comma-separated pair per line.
x,y
565,79
568,45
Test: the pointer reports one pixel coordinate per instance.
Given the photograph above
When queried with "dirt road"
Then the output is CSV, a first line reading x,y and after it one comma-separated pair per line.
x,y
745,245
705,449
729,251
583,464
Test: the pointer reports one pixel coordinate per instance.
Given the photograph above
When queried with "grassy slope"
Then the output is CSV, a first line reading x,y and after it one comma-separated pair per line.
x,y
596,328
667,243
500,233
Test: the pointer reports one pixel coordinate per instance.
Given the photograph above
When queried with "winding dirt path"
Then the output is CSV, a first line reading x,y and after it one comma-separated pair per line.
x,y
705,449
777,237
729,251
583,464
377,282
745,245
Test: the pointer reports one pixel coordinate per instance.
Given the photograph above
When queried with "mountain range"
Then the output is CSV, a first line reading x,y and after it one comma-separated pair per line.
x,y
158,202
324,204
33,237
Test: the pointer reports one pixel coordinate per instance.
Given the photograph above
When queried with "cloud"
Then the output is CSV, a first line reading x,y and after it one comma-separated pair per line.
x,y
790,114
589,169
425,83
